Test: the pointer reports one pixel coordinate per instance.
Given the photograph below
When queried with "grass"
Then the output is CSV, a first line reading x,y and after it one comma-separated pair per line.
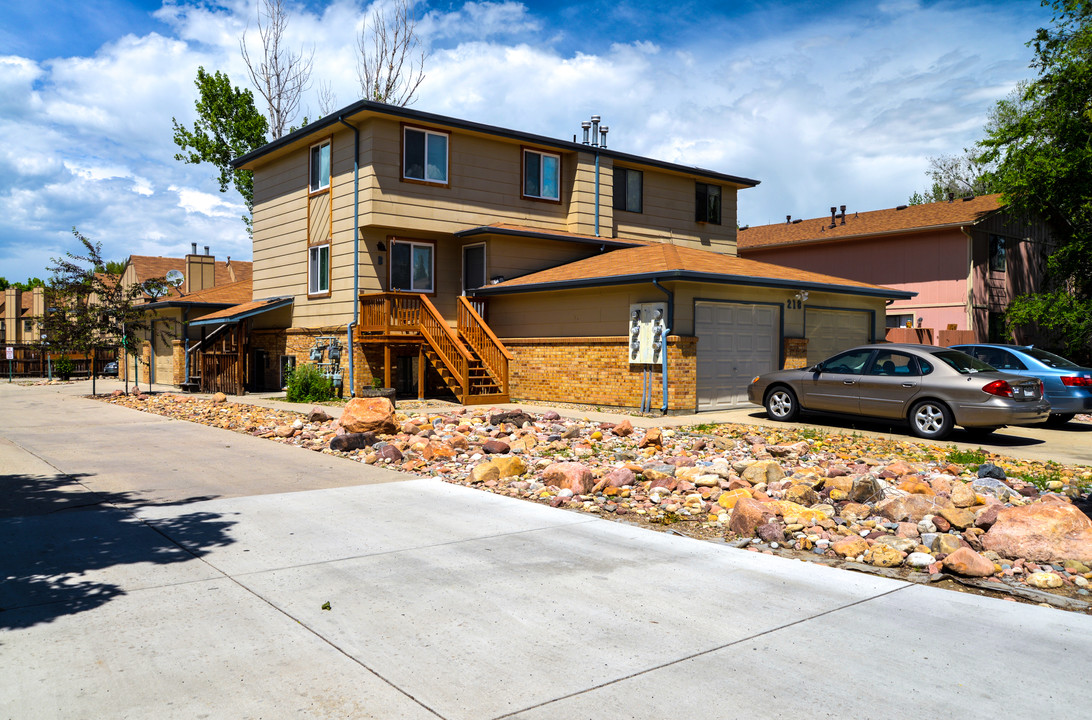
x,y
1052,471
967,457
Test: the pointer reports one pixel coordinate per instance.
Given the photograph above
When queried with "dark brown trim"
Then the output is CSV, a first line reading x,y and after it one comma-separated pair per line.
x,y
523,150
402,155
391,240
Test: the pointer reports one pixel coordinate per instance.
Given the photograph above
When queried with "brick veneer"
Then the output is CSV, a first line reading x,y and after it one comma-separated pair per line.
x,y
596,371
796,353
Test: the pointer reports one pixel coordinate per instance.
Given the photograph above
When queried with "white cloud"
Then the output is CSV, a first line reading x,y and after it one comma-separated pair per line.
x,y
203,203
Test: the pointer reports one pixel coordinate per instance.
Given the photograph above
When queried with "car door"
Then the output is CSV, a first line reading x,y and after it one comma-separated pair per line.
x,y
889,384
834,388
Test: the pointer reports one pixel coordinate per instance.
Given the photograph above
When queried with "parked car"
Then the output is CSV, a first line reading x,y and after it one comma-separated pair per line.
x,y
110,368
1067,385
932,388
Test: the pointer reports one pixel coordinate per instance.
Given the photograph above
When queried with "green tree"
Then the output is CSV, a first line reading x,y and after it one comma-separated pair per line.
x,y
228,125
88,308
1041,140
966,174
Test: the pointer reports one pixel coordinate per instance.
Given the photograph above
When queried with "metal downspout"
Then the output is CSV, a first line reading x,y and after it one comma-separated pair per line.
x,y
356,251
597,192
667,331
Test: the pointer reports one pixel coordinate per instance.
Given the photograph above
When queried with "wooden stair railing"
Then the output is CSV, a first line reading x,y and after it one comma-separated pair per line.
x,y
475,370
487,346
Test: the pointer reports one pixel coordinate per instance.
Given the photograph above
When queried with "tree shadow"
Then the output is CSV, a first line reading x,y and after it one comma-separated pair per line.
x,y
66,550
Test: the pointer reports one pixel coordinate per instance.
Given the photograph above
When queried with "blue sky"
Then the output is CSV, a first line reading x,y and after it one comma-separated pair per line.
x,y
840,103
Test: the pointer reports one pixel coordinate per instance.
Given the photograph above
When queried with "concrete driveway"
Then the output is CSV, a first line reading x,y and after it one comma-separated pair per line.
x,y
158,568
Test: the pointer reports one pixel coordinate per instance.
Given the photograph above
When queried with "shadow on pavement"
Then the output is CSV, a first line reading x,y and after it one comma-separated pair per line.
x,y
65,550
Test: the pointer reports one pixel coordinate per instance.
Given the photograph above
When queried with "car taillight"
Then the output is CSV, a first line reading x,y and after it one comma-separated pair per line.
x,y
999,388
1077,381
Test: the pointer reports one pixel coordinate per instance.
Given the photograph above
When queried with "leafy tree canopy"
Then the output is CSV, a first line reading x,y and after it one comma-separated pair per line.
x,y
1041,141
228,125
30,284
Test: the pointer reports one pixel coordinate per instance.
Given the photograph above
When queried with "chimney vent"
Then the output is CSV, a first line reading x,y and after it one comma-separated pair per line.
x,y
193,248
843,209
788,219
833,216
206,249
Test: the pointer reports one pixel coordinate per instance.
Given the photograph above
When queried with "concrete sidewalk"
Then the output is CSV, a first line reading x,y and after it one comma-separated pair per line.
x,y
151,570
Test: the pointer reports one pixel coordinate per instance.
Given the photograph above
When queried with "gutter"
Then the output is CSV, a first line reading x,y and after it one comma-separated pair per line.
x,y
694,276
356,250
743,249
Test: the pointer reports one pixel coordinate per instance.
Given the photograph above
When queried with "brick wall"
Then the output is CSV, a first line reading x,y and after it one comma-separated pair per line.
x,y
796,353
596,371
178,362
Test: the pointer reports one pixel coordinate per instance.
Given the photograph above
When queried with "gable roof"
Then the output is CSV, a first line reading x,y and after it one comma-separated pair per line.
x,y
901,219
147,267
363,109
231,294
661,261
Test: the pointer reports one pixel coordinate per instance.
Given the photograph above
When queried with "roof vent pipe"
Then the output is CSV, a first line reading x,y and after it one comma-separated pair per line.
x,y
603,136
206,249
833,216
585,126
193,248
843,209
595,130
788,219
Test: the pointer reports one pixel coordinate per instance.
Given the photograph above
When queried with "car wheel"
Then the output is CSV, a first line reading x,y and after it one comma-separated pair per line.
x,y
1060,418
930,419
781,404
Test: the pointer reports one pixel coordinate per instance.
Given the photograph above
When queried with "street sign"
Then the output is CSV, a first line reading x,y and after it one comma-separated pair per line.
x,y
11,353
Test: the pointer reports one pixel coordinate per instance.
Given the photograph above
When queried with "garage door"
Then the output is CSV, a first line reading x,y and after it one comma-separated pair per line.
x,y
735,343
832,331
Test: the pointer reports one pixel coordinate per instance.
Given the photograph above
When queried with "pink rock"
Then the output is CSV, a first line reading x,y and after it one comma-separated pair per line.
x,y
369,414
908,508
908,530
1043,532
965,561
616,478
747,515
569,476
623,428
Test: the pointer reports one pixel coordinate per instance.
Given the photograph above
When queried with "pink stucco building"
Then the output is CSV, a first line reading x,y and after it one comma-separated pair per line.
x,y
966,259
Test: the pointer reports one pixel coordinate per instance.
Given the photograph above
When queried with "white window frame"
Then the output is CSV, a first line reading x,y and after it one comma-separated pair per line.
x,y
541,175
314,280
406,129
432,267
324,182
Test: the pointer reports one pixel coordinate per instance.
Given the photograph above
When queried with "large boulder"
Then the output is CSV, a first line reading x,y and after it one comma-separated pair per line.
x,y
965,561
369,415
569,476
908,508
1041,532
747,515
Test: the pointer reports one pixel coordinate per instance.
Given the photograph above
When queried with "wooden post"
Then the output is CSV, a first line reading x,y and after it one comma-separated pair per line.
x,y
387,363
240,366
421,371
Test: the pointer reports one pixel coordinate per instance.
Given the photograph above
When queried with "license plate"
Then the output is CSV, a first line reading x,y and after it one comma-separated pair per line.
x,y
1029,392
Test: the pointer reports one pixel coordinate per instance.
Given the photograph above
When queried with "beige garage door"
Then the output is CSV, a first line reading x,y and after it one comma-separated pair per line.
x,y
832,331
736,341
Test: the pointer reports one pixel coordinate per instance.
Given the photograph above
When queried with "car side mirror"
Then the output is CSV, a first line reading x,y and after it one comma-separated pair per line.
x,y
816,368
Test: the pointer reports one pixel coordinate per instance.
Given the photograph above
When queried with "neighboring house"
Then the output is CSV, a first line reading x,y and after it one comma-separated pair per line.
x,y
501,264
20,313
965,259
206,285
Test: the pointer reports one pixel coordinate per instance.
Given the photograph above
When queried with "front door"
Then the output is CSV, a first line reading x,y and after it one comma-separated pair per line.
x,y
473,266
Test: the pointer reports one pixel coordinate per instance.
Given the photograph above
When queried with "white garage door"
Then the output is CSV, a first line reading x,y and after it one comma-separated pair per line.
x,y
832,331
735,343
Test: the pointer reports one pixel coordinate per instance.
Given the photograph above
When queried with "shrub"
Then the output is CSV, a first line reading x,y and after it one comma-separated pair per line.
x,y
64,365
307,384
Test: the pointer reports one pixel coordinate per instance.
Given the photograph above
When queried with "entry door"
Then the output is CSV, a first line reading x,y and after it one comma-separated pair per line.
x,y
736,342
473,266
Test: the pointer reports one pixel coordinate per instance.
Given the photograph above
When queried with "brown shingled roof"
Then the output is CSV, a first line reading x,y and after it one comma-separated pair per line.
x,y
252,307
148,266
876,222
230,294
672,262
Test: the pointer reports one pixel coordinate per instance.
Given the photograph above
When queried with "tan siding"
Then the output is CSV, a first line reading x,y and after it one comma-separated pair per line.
x,y
668,211
512,257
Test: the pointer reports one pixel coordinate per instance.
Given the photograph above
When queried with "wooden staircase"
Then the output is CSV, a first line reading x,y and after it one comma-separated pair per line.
x,y
471,360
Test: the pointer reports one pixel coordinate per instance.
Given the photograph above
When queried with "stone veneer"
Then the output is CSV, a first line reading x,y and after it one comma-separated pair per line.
x,y
596,371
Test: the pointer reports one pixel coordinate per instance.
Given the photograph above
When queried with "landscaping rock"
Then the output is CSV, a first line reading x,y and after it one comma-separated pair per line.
x,y
369,415
352,441
965,561
569,476
1041,532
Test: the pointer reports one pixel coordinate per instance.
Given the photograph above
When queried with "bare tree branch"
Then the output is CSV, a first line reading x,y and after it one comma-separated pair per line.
x,y
327,101
391,63
280,75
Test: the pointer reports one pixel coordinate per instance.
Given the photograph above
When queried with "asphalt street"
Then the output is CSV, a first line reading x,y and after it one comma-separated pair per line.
x,y
157,568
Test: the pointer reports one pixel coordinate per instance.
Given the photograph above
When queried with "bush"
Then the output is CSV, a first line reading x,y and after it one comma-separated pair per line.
x,y
307,384
64,365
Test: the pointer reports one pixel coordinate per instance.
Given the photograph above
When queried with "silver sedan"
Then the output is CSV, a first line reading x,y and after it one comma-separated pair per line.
x,y
933,388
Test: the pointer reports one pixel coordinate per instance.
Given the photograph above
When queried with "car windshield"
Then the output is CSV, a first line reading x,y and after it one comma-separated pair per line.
x,y
961,362
1050,359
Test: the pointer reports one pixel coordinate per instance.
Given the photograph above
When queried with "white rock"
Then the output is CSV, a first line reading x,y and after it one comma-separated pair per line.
x,y
920,560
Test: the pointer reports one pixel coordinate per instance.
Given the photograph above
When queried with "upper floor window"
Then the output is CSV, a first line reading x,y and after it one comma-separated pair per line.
x,y
707,203
28,325
320,167
411,266
424,155
997,253
541,175
628,185
318,269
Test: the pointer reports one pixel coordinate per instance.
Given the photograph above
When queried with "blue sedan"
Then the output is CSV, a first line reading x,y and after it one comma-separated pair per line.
x,y
1068,386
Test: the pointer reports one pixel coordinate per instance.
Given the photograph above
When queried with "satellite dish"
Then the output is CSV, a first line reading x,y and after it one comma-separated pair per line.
x,y
174,278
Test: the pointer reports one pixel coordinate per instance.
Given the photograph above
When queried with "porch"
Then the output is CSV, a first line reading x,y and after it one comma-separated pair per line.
x,y
470,360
